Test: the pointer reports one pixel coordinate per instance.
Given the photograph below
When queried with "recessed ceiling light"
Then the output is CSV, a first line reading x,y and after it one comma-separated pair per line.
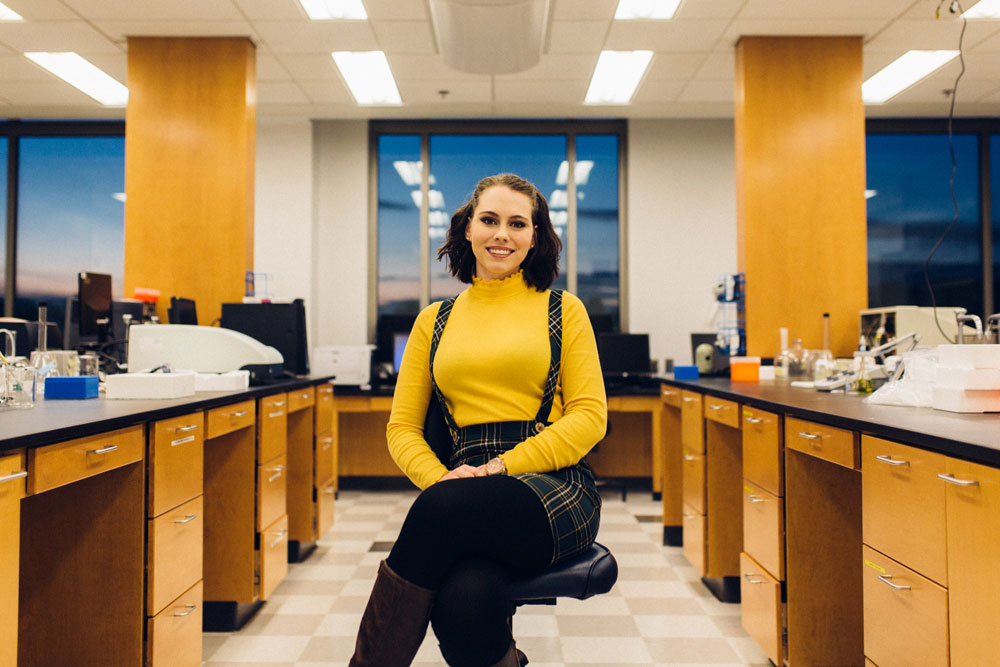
x,y
984,9
325,10
368,77
632,10
616,76
82,74
8,14
581,172
902,73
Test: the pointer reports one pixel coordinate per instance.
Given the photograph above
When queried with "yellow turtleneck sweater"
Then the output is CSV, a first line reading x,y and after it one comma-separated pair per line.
x,y
491,366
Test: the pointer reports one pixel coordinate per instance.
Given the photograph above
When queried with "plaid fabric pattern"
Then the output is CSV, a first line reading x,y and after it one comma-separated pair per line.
x,y
570,494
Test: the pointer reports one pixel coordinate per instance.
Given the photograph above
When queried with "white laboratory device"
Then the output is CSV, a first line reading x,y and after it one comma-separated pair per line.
x,y
202,349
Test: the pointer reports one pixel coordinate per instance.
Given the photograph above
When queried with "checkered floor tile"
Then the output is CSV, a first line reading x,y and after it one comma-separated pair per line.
x,y
659,613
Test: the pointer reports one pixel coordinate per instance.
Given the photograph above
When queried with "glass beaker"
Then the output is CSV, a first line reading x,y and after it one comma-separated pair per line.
x,y
20,385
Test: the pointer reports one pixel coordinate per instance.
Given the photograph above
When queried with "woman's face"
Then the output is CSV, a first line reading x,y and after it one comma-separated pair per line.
x,y
500,232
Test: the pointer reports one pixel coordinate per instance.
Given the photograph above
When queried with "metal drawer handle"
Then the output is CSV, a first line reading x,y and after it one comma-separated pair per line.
x,y
277,404
948,477
187,519
241,413
281,538
305,395
278,413
190,608
716,407
327,446
329,490
277,473
751,580
754,420
885,458
667,392
181,441
185,429
884,578
103,450
688,399
810,436
691,516
13,476
689,457
755,498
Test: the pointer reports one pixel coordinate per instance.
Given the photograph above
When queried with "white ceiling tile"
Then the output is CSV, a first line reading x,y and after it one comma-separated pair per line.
x,y
708,9
280,92
926,9
556,66
19,68
799,27
823,9
317,36
41,10
405,36
405,10
906,34
152,10
327,92
692,35
707,91
662,90
718,66
54,91
417,67
577,10
542,90
55,36
577,36
458,92
989,45
675,65
114,65
269,68
271,10
311,67
121,30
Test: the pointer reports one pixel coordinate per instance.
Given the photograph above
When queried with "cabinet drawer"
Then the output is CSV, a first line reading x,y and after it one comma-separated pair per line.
x,y
324,509
764,528
301,398
13,472
692,422
693,481
67,462
903,505
671,395
272,484
176,462
763,458
13,476
760,607
229,418
324,409
694,538
175,633
722,411
826,442
174,554
906,615
272,427
323,465
273,556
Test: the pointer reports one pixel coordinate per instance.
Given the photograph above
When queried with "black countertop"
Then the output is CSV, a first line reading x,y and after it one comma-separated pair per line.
x,y
973,437
58,420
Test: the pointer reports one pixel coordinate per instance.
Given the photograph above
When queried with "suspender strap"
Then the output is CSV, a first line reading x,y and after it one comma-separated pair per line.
x,y
442,319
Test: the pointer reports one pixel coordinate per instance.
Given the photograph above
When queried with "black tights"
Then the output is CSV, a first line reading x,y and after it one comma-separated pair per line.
x,y
465,539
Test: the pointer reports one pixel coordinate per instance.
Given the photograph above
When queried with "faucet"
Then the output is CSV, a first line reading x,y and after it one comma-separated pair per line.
x,y
961,319
992,332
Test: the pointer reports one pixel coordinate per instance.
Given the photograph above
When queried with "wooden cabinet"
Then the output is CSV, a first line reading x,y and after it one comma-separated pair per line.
x,y
229,418
763,450
692,422
272,426
13,471
272,491
273,556
324,508
67,462
722,411
764,529
174,635
761,608
825,442
301,460
671,457
176,462
272,486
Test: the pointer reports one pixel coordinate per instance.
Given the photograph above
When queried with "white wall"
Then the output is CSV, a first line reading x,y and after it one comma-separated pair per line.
x,y
681,228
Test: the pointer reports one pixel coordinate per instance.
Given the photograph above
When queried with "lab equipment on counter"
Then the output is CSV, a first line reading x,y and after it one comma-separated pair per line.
x,y
685,372
72,387
744,369
882,325
349,364
150,385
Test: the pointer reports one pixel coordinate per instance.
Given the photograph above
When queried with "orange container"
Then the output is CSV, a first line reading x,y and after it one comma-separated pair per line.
x,y
744,369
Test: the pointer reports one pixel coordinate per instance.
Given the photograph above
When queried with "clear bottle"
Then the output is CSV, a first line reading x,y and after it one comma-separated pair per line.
x,y
824,364
797,368
781,360
42,361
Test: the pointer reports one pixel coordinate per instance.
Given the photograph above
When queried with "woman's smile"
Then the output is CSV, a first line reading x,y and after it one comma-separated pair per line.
x,y
500,232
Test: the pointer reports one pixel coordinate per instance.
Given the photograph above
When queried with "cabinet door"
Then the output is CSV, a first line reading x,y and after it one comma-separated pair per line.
x,y
176,462
763,460
760,608
973,577
272,427
12,476
694,539
692,422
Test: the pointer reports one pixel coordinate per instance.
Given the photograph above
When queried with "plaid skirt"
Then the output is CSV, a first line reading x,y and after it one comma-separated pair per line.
x,y
569,494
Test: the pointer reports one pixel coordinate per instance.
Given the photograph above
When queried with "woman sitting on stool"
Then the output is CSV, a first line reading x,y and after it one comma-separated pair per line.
x,y
516,368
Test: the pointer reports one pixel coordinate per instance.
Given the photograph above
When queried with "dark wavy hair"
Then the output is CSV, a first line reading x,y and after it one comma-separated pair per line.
x,y
540,266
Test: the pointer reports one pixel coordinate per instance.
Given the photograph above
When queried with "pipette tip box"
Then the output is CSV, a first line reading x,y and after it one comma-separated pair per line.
x,y
71,386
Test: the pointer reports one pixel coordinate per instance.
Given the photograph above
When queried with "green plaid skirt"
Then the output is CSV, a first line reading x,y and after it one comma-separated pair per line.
x,y
569,494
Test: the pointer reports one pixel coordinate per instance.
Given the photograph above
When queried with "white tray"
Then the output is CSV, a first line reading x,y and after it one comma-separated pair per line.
x,y
231,381
149,385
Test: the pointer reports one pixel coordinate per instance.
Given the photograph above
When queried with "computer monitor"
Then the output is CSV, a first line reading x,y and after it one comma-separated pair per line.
x,y
623,353
182,311
398,345
280,325
386,329
94,294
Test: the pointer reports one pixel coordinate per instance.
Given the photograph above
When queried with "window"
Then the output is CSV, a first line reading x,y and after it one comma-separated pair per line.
x,y
597,189
399,174
995,223
3,223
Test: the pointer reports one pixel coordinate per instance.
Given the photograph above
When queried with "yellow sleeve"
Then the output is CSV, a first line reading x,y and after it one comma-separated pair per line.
x,y
585,405
405,432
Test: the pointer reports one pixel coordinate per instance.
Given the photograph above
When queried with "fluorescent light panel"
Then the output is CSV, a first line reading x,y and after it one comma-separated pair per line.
x,y
82,74
902,73
368,77
326,10
581,172
632,10
616,76
984,9
8,14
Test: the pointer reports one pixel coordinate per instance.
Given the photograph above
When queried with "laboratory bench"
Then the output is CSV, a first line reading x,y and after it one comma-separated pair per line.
x,y
127,527
851,533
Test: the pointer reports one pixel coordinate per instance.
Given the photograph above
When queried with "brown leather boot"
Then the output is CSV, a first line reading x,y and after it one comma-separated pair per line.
x,y
394,622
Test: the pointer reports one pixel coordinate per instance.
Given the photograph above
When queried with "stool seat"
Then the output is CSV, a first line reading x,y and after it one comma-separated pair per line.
x,y
591,573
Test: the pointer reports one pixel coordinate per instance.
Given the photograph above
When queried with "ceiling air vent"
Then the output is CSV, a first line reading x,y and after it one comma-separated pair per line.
x,y
490,36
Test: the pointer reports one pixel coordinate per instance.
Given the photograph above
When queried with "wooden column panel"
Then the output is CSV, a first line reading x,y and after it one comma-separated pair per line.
x,y
189,168
800,181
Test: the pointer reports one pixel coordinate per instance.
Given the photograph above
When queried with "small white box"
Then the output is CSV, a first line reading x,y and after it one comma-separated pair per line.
x,y
969,356
954,399
149,385
231,381
968,378
349,364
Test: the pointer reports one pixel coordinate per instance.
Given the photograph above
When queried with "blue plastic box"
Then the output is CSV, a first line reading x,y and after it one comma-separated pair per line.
x,y
74,386
685,372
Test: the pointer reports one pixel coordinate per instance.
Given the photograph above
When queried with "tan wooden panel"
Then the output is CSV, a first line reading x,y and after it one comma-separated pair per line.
x,y
175,633
189,219
671,395
52,466
692,422
272,485
627,449
694,548
826,442
904,505
228,418
672,455
722,411
272,426
693,476
174,554
324,509
12,489
869,663
301,398
724,509
299,495
763,449
760,608
764,528
230,517
973,576
176,462
361,446
800,177
323,465
324,408
906,615
273,556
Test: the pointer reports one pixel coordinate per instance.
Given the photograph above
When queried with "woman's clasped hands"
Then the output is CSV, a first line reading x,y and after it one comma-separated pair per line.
x,y
464,471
